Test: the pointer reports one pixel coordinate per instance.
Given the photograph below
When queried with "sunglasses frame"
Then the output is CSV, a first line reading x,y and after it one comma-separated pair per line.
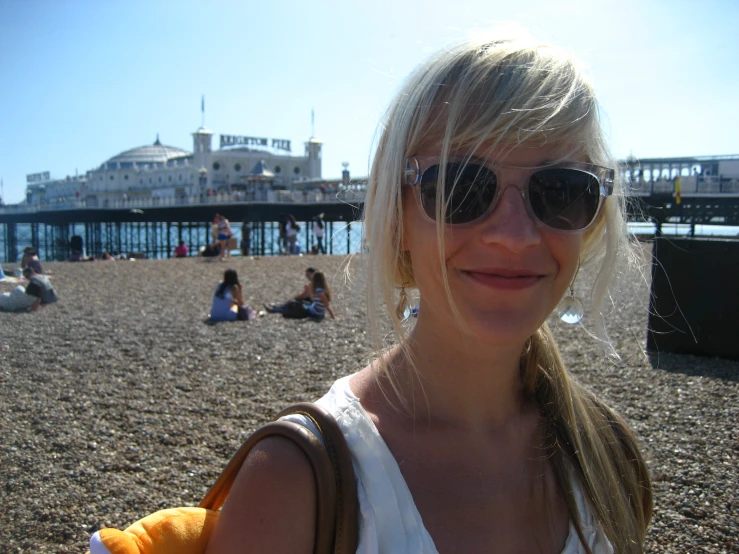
x,y
413,174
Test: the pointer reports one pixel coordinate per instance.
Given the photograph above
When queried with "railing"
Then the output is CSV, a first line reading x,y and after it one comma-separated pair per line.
x,y
689,185
271,196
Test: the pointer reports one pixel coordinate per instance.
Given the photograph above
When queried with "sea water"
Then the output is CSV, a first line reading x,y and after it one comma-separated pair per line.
x,y
342,240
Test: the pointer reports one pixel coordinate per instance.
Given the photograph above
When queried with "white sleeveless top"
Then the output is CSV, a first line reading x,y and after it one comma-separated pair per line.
x,y
389,522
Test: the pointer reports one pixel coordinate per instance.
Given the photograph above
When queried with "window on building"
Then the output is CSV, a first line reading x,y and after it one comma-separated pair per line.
x,y
111,177
296,170
237,167
216,166
125,177
278,169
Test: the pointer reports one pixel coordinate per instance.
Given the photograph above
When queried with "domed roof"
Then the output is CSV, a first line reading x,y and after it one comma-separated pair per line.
x,y
155,153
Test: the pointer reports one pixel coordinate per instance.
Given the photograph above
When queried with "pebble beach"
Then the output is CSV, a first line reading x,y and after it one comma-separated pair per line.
x,y
121,399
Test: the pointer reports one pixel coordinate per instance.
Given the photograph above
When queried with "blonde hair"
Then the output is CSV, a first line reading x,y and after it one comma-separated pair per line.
x,y
510,93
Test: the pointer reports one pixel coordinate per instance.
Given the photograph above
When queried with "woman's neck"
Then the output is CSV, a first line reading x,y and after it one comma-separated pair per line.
x,y
463,381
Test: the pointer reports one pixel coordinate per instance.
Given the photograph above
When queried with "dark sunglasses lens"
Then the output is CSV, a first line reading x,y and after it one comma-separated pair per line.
x,y
564,199
470,189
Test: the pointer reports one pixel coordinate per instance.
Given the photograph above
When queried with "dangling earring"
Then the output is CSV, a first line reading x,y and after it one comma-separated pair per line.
x,y
402,310
571,311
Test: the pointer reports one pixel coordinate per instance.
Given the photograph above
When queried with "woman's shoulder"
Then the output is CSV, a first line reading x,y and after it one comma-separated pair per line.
x,y
271,506
219,285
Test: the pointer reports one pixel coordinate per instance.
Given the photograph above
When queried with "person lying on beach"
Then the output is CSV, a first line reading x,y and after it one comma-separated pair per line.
x,y
210,251
490,186
16,300
36,293
228,302
304,296
40,287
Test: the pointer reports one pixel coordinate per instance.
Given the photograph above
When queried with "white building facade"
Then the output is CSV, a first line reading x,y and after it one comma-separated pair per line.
x,y
240,164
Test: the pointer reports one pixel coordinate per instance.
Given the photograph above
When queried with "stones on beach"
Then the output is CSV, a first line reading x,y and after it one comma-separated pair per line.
x,y
118,400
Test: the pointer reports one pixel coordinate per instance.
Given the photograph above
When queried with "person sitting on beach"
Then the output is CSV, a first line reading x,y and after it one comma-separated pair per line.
x,y
316,308
490,185
107,257
30,259
181,250
304,296
228,302
40,287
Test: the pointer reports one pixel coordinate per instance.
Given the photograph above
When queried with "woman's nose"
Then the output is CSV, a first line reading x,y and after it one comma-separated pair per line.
x,y
510,224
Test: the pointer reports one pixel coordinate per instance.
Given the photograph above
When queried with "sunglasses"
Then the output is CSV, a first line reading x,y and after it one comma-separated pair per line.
x,y
565,197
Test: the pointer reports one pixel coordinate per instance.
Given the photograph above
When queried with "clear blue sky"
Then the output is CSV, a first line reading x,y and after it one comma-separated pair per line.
x,y
84,80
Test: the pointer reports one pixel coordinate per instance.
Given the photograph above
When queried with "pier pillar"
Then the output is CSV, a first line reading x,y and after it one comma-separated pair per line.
x,y
35,236
169,238
12,242
119,238
147,241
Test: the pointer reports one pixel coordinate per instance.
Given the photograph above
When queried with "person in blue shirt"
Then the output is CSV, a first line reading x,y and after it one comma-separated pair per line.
x,y
228,301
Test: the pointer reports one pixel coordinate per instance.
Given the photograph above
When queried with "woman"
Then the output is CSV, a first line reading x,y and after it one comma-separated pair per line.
x,y
314,302
30,259
224,235
490,186
291,234
319,232
321,294
228,302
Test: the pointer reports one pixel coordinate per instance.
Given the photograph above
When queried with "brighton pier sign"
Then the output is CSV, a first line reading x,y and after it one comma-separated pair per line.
x,y
38,177
234,140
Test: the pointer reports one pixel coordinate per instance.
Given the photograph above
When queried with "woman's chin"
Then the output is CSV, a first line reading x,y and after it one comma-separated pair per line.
x,y
500,327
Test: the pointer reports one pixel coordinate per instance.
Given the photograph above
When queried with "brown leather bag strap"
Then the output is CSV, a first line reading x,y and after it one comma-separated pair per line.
x,y
347,508
337,506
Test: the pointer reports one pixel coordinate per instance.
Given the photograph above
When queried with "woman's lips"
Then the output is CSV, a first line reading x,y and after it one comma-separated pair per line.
x,y
505,279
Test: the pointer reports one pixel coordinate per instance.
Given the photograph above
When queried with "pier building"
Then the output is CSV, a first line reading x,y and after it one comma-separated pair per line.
x,y
241,164
689,191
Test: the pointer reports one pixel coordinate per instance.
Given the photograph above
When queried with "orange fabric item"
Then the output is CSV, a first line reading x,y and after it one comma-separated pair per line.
x,y
172,531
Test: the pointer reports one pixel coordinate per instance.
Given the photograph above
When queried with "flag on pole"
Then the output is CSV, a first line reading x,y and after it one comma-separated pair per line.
x,y
202,103
678,192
